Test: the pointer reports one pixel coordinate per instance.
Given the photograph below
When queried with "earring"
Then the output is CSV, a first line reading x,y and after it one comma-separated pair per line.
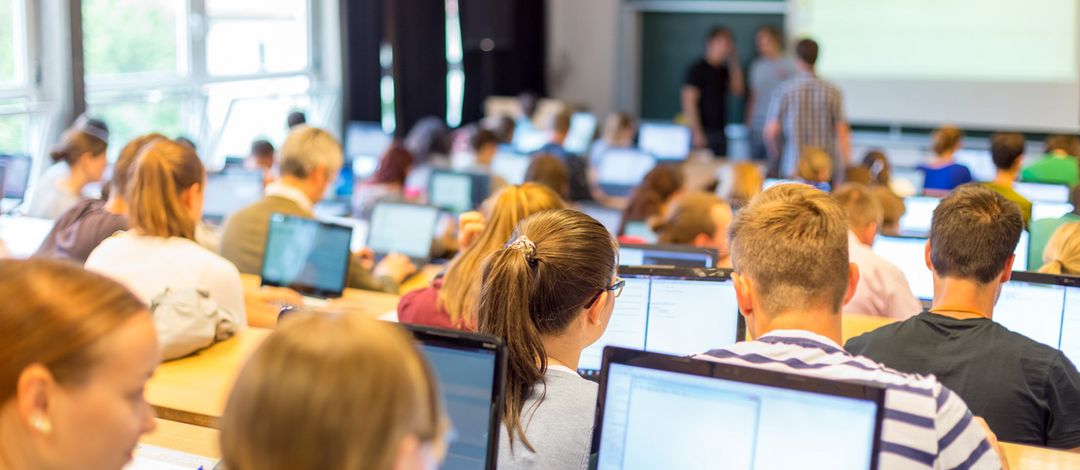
x,y
41,423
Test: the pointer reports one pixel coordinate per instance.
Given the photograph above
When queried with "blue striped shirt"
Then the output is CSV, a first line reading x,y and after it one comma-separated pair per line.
x,y
926,425
808,110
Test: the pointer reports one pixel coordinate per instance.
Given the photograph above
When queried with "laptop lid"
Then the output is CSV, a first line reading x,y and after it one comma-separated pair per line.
x,y
365,142
665,140
1043,192
670,310
918,214
608,217
16,175
658,411
978,161
398,227
621,170
666,255
1049,210
229,191
306,255
1043,307
528,139
909,254
640,229
510,165
457,191
582,133
470,369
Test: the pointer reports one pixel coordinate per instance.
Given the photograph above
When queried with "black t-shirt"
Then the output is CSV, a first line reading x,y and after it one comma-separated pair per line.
x,y
1028,392
713,83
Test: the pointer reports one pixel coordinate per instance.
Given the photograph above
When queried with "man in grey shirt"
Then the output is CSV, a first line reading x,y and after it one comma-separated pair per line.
x,y
767,72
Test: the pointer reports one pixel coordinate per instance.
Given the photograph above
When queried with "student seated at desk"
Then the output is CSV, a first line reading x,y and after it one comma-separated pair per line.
x,y
815,168
1028,392
883,291
451,299
388,181
1007,150
551,172
581,187
82,228
310,161
1059,165
792,277
942,173
484,144
1062,254
549,294
77,350
159,253
1043,229
78,160
650,201
334,392
700,220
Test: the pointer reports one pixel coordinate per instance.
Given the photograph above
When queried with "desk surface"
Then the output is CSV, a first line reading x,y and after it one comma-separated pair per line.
x,y
23,235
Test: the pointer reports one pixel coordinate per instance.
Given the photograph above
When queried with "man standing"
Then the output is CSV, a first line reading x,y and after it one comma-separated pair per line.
x,y
767,72
808,112
704,93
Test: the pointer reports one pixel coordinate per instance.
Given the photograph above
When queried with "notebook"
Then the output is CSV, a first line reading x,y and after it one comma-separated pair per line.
x,y
666,255
408,229
308,256
1043,307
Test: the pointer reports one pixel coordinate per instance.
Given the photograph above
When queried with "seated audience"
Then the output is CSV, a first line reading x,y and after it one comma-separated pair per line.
x,y
551,172
815,168
747,181
883,290
792,276
700,220
310,161
549,294
484,144
1028,392
77,351
429,144
1059,165
649,202
618,133
1007,150
576,166
1062,254
388,181
261,158
892,207
334,392
450,301
80,229
880,172
78,160
942,172
1042,229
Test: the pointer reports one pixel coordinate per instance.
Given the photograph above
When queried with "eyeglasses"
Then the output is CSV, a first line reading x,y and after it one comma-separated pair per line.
x,y
615,287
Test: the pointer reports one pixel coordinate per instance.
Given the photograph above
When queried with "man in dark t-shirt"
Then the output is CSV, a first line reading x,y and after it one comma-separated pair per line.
x,y
704,92
1028,392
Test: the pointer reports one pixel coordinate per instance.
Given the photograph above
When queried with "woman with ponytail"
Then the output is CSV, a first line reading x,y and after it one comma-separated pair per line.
x,y
650,200
78,160
165,200
549,294
1062,253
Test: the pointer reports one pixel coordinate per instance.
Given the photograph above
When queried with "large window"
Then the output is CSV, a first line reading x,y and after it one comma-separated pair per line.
x,y
15,87
132,38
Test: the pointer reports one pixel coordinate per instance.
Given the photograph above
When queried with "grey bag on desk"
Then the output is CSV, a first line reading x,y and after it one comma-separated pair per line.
x,y
187,321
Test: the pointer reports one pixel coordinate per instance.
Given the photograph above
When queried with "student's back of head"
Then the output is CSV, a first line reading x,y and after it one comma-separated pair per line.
x,y
1062,253
307,149
394,166
618,130
125,163
878,167
549,171
166,190
86,137
460,292
1065,144
863,209
815,166
560,122
1006,148
649,199
807,51
296,118
328,391
698,219
973,235
946,140
76,349
748,181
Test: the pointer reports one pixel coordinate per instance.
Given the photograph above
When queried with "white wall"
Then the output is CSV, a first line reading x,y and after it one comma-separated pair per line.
x,y
582,48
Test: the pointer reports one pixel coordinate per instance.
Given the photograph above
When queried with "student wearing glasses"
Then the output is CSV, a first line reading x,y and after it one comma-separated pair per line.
x,y
549,294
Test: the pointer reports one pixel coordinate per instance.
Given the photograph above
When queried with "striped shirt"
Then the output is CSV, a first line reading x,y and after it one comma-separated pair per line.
x,y
808,110
926,425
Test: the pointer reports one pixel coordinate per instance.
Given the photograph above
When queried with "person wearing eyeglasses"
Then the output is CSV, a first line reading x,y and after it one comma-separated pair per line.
x,y
549,294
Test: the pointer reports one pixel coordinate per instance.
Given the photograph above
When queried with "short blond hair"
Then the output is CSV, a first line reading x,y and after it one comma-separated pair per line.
x,y
306,148
330,391
813,162
1062,254
862,207
792,242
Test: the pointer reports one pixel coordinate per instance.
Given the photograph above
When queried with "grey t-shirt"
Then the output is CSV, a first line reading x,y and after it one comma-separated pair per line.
x,y
765,76
559,429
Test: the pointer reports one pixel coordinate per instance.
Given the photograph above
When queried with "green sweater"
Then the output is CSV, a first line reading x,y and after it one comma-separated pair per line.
x,y
244,238
1053,170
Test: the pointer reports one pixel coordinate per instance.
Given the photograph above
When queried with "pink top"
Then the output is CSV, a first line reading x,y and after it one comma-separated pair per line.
x,y
421,307
883,290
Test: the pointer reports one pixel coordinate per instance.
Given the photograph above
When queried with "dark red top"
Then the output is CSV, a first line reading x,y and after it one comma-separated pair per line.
x,y
421,307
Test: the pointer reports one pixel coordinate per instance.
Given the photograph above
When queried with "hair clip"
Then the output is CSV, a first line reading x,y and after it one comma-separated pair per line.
x,y
526,247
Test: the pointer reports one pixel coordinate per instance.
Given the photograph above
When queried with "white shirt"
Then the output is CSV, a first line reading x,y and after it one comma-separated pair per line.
x,y
149,265
47,198
283,190
883,290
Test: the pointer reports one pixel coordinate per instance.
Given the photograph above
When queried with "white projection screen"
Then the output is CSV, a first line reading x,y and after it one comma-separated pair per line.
x,y
984,64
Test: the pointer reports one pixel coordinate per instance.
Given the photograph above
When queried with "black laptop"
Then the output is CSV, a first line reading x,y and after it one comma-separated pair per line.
x,y
666,255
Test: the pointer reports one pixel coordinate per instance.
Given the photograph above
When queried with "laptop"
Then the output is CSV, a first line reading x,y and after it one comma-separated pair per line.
x,y
408,229
1043,192
309,256
622,170
470,369
979,162
1043,307
510,165
666,255
16,177
582,133
909,254
1049,210
640,229
457,191
658,411
608,217
918,214
670,310
666,141
528,139
365,142
230,191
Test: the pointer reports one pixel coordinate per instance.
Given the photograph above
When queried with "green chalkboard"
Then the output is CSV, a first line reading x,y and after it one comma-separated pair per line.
x,y
671,42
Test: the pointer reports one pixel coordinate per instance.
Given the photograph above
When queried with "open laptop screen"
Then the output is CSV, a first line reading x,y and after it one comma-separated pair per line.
x,y
456,191
1043,307
16,175
670,310
918,214
1049,210
1043,192
309,256
402,228
365,142
230,191
510,165
665,141
909,254
581,134
668,412
622,170
666,255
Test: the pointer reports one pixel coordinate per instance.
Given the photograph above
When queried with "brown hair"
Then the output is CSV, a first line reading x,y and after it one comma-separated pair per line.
x,y
860,204
813,162
75,143
538,287
656,189
807,51
126,161
877,167
345,400
892,209
460,291
549,171
55,314
1006,148
974,231
614,124
691,216
393,166
560,122
163,170
1065,143
946,139
792,241
1062,254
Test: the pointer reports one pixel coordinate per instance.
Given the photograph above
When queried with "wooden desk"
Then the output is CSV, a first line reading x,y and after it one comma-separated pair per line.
x,y
23,235
365,302
1037,458
853,325
184,438
422,278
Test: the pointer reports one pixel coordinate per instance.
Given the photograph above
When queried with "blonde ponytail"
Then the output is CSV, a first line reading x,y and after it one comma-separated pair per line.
x,y
163,170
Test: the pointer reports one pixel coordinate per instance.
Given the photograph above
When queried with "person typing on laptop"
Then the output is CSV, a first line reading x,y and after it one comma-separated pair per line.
x,y
792,275
1028,392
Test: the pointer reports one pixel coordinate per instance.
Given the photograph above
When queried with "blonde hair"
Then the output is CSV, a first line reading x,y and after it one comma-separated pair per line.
x,y
946,139
163,171
747,182
306,148
330,391
861,205
460,292
55,314
1062,254
814,163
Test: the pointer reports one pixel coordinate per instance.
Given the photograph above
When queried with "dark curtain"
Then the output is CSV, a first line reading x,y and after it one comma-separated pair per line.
x,y
417,31
361,33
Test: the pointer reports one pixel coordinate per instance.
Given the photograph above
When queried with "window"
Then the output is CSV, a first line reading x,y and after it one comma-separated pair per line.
x,y
9,50
134,115
132,37
246,37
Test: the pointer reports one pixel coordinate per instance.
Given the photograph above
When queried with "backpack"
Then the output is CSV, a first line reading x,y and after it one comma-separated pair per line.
x,y
187,321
